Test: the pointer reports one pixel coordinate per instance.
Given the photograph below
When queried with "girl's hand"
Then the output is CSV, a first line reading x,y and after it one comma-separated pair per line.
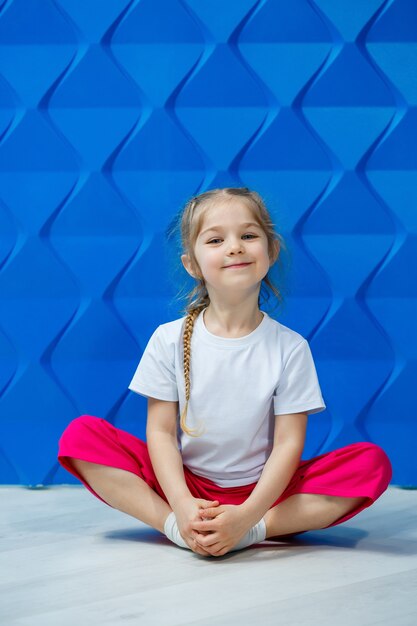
x,y
227,524
187,512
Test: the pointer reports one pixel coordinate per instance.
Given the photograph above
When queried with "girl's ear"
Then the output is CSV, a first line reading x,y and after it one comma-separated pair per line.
x,y
186,261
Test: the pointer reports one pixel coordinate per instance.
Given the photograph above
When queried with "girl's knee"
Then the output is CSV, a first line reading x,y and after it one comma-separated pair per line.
x,y
376,454
377,461
77,427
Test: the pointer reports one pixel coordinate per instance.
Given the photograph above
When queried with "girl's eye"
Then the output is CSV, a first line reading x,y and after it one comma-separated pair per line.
x,y
247,235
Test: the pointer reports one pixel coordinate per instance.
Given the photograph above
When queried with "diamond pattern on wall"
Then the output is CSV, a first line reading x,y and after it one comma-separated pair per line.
x,y
113,113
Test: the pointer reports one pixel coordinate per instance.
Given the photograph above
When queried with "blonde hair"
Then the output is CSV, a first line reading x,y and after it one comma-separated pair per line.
x,y
189,225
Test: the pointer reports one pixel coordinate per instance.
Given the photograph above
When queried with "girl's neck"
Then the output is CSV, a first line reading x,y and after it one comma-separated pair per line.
x,y
232,323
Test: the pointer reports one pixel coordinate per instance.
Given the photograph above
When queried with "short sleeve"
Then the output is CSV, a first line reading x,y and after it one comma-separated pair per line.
x,y
298,389
155,374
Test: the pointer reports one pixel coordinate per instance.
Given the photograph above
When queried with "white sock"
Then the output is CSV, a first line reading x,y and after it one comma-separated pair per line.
x,y
256,534
172,532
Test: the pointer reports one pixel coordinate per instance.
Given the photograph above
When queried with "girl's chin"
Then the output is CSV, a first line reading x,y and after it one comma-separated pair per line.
x,y
230,288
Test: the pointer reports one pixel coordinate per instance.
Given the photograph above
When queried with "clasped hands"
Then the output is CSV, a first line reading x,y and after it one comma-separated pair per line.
x,y
211,528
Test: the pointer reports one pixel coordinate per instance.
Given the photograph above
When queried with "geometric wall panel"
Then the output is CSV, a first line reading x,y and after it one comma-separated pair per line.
x,y
114,113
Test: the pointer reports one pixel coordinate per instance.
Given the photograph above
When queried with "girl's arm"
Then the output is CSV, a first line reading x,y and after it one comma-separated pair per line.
x,y
289,437
161,437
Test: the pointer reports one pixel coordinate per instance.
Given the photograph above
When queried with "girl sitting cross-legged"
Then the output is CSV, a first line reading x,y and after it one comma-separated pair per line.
x,y
229,392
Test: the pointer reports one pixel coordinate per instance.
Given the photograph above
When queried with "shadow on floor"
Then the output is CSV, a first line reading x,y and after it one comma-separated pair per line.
x,y
143,535
335,537
341,538
347,538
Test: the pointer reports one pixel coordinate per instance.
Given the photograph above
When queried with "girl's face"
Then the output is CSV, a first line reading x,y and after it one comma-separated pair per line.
x,y
231,248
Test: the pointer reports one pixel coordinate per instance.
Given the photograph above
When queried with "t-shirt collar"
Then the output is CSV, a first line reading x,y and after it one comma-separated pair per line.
x,y
201,331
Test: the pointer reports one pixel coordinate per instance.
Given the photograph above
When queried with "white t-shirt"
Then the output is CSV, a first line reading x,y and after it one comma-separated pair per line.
x,y
237,385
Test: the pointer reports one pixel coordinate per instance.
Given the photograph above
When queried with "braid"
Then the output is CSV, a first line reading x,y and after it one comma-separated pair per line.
x,y
188,331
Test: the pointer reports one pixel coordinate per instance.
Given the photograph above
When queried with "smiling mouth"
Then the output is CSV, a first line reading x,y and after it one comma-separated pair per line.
x,y
237,265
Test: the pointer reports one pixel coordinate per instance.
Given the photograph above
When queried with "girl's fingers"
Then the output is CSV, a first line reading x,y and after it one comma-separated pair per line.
x,y
215,550
209,512
195,547
204,525
209,504
199,550
206,541
220,552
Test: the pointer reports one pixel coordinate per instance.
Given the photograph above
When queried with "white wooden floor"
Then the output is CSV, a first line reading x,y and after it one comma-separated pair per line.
x,y
68,559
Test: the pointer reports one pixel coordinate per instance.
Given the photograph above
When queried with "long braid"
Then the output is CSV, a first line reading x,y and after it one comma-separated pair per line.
x,y
188,331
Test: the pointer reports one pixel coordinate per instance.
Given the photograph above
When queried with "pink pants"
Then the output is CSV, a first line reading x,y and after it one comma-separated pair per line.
x,y
356,470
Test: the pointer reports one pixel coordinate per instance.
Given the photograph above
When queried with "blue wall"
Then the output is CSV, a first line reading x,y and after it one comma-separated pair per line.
x,y
113,113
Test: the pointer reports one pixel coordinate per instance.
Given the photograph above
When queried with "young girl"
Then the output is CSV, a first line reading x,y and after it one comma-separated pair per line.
x,y
229,390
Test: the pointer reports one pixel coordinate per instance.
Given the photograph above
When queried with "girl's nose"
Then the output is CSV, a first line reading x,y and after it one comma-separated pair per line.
x,y
236,246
